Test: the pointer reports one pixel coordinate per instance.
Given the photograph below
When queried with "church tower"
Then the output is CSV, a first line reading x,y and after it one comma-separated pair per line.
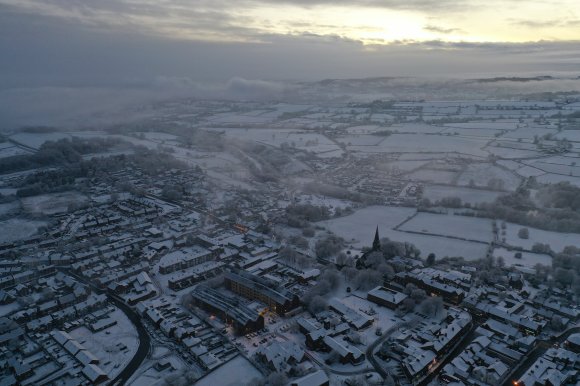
x,y
377,241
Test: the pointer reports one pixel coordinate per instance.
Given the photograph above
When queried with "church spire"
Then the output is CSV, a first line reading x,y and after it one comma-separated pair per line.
x,y
377,241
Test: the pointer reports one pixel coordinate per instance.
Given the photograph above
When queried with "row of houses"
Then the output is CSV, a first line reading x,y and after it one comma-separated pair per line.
x,y
325,334
451,286
491,356
90,363
187,278
185,258
202,344
422,346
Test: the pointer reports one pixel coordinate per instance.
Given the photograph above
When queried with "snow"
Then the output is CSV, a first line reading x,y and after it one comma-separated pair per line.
x,y
358,230
18,229
406,166
473,196
237,371
416,143
35,140
11,151
571,135
6,309
436,176
147,374
471,228
555,178
384,318
528,259
557,241
482,173
105,344
9,208
52,203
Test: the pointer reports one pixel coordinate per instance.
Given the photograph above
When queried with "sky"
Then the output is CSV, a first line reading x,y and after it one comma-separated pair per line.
x,y
65,59
48,43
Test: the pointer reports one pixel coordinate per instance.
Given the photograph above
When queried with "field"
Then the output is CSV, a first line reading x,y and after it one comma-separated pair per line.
x,y
358,230
435,176
481,174
52,203
9,208
417,143
470,228
556,240
18,229
10,151
473,196
555,178
35,140
360,226
528,259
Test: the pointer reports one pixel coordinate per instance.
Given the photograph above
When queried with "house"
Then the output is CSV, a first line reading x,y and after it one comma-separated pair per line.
x,y
86,357
94,374
347,353
354,318
281,356
386,297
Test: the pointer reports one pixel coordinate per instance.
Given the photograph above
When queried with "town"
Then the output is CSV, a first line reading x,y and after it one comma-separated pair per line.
x,y
390,242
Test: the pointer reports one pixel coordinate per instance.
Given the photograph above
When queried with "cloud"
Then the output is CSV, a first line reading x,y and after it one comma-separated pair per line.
x,y
441,30
549,23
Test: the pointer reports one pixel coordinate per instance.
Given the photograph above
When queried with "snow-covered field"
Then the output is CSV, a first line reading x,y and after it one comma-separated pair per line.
x,y
555,178
11,151
9,208
415,128
35,140
238,371
571,135
18,229
52,203
404,166
360,226
556,240
471,228
435,176
360,140
528,259
481,174
358,230
473,196
511,153
416,143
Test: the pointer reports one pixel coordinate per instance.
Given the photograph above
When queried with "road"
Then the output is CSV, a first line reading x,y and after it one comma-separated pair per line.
x,y
135,318
144,342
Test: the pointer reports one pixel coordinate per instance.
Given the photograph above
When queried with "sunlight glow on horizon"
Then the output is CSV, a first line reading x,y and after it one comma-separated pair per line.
x,y
233,21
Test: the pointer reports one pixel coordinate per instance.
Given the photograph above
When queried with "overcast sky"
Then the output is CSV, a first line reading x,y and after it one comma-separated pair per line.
x,y
140,42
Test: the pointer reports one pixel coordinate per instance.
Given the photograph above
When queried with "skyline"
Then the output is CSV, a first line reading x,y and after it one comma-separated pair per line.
x,y
54,43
